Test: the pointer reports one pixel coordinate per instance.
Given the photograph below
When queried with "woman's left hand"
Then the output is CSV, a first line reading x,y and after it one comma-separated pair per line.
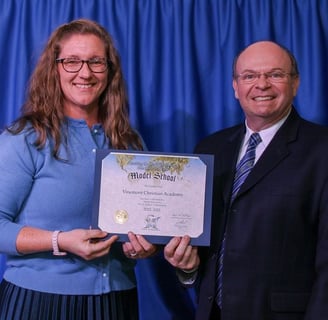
x,y
138,247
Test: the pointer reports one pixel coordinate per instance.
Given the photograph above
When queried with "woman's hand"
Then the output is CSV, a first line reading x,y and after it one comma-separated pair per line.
x,y
180,254
138,247
87,244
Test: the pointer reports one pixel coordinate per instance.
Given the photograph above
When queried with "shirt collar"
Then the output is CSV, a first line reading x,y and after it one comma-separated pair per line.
x,y
266,134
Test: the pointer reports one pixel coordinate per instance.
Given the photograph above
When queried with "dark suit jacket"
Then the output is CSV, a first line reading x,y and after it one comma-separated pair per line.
x,y
276,256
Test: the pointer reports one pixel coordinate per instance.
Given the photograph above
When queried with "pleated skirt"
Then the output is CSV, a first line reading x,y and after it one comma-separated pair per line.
x,y
22,304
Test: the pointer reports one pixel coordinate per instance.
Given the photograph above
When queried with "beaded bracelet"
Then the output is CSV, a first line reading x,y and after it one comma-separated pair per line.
x,y
54,240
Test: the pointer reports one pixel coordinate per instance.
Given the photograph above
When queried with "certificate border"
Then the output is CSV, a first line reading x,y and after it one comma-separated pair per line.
x,y
202,240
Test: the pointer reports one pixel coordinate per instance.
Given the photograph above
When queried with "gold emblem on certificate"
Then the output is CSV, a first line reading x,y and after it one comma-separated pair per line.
x,y
121,216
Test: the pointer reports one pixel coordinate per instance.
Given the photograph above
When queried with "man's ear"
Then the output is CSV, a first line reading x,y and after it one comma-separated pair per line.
x,y
235,88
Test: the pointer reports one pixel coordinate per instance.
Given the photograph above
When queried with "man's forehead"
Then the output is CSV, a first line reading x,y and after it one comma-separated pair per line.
x,y
263,56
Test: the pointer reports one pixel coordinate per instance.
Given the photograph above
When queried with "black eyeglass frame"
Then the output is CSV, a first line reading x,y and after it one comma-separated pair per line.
x,y
62,61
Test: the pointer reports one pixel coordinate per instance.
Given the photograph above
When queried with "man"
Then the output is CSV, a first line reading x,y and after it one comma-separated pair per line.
x,y
273,234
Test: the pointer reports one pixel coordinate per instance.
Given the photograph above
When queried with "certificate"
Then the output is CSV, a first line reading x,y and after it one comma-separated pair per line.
x,y
156,195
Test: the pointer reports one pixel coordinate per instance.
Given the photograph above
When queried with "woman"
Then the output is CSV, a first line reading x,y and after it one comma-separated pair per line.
x,y
76,103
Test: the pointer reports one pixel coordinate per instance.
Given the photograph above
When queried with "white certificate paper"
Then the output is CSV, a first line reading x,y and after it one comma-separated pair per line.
x,y
153,194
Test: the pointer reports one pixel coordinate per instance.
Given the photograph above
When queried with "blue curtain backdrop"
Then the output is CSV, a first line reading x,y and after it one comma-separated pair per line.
x,y
177,57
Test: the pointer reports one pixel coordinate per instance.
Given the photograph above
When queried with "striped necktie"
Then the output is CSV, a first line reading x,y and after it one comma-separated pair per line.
x,y
243,168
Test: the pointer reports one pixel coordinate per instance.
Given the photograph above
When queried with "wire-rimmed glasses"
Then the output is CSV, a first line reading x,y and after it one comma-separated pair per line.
x,y
276,76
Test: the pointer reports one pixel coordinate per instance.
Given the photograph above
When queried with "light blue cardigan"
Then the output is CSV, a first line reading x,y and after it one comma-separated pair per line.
x,y
39,191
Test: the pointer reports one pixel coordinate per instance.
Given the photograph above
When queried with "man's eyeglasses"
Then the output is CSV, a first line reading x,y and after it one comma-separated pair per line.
x,y
73,65
271,76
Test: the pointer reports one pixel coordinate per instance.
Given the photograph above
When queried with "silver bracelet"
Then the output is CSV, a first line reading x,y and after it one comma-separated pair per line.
x,y
55,248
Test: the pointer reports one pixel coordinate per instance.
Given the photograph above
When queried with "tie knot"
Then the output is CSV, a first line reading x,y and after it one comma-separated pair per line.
x,y
255,139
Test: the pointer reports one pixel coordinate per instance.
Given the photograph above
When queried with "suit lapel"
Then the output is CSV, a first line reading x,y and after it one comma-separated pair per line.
x,y
229,161
276,151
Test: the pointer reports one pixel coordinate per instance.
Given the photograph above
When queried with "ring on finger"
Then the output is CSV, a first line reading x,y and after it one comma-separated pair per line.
x,y
133,254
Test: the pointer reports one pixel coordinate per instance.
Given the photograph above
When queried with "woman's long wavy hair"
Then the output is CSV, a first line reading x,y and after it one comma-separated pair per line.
x,y
44,108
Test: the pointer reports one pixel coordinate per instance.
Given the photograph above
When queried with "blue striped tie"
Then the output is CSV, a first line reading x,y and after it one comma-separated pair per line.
x,y
243,168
